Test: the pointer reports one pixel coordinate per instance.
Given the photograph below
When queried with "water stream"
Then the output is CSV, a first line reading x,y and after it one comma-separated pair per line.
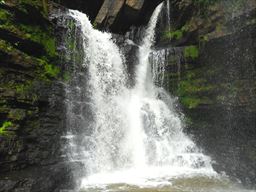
x,y
129,139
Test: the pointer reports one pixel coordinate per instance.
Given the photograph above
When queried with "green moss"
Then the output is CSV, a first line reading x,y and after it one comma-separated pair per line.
x,y
190,102
191,52
4,15
66,76
4,126
95,25
45,6
36,34
194,89
194,101
17,114
188,87
175,34
203,38
41,5
6,46
178,34
51,70
25,31
24,88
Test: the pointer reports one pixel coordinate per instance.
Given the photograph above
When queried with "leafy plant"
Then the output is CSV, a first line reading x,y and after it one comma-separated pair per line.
x,y
5,125
51,70
191,52
177,34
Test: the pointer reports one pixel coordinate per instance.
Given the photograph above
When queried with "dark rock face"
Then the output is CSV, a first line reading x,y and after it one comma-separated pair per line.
x,y
231,133
31,102
115,15
91,8
212,68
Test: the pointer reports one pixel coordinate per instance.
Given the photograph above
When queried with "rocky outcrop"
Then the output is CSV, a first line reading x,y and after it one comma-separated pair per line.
x,y
108,12
115,15
31,101
211,67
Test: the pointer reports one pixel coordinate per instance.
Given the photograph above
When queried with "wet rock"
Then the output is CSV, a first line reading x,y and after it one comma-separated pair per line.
x,y
115,15
211,67
108,12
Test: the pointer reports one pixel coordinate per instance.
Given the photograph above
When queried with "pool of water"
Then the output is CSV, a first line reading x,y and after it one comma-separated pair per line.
x,y
155,180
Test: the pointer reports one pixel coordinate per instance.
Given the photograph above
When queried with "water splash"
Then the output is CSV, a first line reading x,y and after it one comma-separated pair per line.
x,y
159,62
123,134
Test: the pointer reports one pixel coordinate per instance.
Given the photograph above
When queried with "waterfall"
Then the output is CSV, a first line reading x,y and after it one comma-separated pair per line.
x,y
106,86
159,61
168,17
121,134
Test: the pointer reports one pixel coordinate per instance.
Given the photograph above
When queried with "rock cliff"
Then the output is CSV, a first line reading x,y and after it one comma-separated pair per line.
x,y
115,15
32,77
212,69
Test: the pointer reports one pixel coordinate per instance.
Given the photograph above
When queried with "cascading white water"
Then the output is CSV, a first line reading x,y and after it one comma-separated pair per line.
x,y
159,61
168,17
135,135
158,126
106,86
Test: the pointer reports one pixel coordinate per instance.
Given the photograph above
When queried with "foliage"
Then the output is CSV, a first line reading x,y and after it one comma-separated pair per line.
x,y
66,76
22,88
191,52
42,5
45,6
192,87
95,25
51,70
175,34
36,33
17,114
4,15
190,102
4,126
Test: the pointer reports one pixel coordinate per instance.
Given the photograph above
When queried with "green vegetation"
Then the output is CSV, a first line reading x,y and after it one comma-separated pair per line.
x,y
45,6
51,70
193,89
193,86
66,76
95,25
29,69
23,88
175,34
6,46
203,38
4,126
178,34
191,52
35,33
17,114
4,15
190,102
